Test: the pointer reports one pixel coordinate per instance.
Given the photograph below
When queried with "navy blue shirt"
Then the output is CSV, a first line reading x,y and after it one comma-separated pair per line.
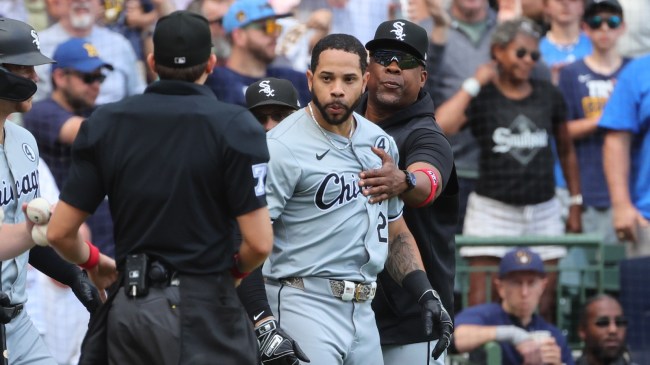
x,y
586,93
230,87
492,314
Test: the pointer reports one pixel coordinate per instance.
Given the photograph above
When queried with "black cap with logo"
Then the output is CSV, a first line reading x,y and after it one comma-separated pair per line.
x,y
19,44
182,39
401,34
594,6
272,91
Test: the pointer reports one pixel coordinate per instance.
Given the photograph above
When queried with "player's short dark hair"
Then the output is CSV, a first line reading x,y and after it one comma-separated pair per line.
x,y
189,74
342,42
582,321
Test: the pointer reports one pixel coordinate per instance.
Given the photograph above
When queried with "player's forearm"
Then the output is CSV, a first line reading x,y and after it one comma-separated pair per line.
x,y
616,162
469,337
403,255
15,240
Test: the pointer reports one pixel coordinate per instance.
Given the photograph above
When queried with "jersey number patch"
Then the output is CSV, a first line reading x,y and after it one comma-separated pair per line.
x,y
381,227
259,173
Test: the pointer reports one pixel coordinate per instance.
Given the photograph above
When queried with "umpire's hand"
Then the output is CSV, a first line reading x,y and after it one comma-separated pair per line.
x,y
276,347
435,314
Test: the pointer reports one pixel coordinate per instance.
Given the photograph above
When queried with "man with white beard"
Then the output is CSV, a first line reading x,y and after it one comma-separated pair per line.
x,y
79,20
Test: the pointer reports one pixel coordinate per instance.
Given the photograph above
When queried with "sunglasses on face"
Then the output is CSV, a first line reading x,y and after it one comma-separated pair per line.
x,y
404,60
603,322
270,27
88,78
596,21
522,52
275,116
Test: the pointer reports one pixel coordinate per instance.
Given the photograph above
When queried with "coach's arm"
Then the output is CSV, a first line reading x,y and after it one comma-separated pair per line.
x,y
404,264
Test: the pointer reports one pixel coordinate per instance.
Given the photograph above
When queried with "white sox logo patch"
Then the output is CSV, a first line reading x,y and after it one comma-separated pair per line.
x,y
266,89
399,30
29,152
36,41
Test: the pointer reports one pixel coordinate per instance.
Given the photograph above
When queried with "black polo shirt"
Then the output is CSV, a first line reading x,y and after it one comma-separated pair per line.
x,y
177,166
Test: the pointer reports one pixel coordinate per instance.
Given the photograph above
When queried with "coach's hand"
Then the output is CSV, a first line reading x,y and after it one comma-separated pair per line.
x,y
382,183
86,292
276,347
435,316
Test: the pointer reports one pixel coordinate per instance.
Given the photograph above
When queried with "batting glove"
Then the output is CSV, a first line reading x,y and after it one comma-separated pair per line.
x,y
85,291
276,347
435,316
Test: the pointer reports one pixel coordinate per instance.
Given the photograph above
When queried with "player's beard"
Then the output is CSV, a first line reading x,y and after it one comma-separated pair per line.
x,y
343,117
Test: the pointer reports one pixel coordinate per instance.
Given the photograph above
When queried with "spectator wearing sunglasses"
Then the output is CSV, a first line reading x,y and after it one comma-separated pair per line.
x,y
513,118
253,30
523,335
602,328
271,100
55,121
586,85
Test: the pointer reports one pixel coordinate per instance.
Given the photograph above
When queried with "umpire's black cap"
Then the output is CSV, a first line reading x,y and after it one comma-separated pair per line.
x,y
19,44
182,39
272,91
401,34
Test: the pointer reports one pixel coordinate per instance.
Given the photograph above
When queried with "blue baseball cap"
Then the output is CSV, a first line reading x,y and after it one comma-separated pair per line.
x,y
521,259
243,12
78,54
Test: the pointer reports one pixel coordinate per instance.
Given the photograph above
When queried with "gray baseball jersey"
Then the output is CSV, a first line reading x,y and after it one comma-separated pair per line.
x,y
323,225
19,179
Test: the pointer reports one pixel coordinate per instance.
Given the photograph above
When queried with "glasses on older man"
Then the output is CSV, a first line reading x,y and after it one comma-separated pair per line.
x,y
602,322
270,27
404,60
596,21
88,78
522,52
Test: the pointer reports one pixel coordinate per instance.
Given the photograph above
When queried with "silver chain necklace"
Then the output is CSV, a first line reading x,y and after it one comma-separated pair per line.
x,y
325,133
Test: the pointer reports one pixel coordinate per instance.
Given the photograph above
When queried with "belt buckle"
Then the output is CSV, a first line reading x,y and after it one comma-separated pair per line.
x,y
365,292
358,291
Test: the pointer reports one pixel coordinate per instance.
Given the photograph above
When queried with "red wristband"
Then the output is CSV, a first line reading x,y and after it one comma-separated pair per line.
x,y
434,186
93,258
234,270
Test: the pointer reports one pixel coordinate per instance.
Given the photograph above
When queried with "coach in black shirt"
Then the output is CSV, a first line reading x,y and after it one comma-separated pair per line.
x,y
179,168
425,179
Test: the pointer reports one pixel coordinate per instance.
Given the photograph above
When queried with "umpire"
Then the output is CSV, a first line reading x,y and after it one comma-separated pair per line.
x,y
179,168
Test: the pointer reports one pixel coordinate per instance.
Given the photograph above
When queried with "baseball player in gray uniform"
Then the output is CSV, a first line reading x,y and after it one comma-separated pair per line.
x,y
329,241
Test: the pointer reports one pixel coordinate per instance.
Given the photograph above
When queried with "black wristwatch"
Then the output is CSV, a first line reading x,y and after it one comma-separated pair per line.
x,y
410,180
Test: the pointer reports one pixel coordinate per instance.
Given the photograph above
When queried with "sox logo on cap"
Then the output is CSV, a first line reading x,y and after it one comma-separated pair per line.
x,y
399,30
266,88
